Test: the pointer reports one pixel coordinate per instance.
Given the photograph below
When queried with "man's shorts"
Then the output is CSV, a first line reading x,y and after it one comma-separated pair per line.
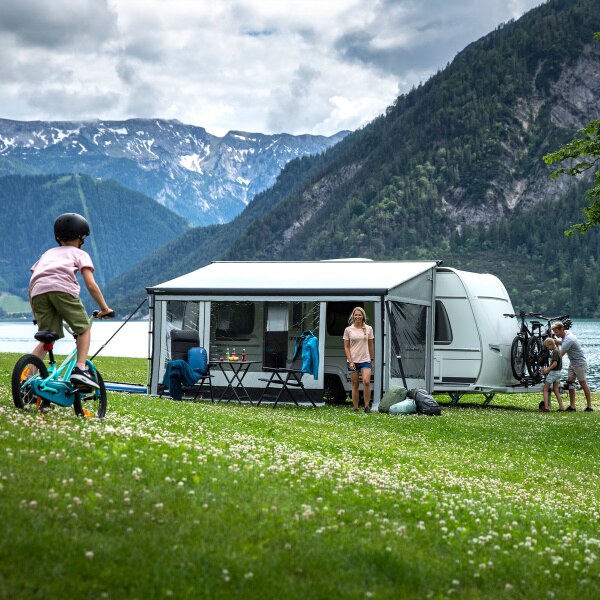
x,y
553,376
52,308
578,372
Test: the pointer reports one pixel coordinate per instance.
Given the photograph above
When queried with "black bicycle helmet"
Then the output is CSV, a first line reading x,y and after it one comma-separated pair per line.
x,y
70,226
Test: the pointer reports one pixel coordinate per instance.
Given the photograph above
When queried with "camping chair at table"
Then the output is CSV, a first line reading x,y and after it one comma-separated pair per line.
x,y
185,347
286,379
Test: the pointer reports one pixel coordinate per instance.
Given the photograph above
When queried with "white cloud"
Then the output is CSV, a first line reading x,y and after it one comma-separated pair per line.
x,y
255,65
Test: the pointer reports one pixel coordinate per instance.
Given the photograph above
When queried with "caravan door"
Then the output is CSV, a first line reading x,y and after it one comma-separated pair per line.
x,y
458,349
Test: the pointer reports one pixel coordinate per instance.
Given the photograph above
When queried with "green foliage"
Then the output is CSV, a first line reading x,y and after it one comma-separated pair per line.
x,y
463,143
199,246
542,269
30,205
11,304
458,143
583,154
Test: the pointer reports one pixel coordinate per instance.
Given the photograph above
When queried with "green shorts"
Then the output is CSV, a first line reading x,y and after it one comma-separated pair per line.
x,y
52,308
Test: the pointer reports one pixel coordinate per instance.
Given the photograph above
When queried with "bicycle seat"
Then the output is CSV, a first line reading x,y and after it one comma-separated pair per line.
x,y
46,337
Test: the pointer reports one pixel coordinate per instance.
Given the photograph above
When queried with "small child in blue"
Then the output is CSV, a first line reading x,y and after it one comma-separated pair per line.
x,y
552,373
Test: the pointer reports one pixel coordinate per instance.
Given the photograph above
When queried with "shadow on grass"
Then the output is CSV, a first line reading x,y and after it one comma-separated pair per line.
x,y
464,405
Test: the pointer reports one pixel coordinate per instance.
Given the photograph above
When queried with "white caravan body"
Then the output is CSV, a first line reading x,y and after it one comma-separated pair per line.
x,y
435,327
474,356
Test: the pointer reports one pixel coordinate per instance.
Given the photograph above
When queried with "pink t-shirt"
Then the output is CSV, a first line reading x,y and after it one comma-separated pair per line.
x,y
56,269
359,343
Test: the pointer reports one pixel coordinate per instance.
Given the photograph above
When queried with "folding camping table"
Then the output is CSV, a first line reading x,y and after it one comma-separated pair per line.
x,y
234,372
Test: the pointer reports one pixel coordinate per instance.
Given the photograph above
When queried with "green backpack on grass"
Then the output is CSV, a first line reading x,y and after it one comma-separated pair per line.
x,y
392,396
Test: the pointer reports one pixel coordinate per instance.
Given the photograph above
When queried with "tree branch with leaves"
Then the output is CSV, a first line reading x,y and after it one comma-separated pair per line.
x,y
584,154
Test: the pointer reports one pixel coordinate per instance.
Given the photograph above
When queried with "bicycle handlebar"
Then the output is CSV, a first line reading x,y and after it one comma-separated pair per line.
x,y
109,315
522,315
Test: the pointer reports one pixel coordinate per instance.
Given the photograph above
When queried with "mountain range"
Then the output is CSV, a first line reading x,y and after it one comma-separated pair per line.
x,y
453,171
126,226
204,178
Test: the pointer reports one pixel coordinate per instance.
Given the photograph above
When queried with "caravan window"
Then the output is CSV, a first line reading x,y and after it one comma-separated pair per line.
x,y
443,329
182,314
232,320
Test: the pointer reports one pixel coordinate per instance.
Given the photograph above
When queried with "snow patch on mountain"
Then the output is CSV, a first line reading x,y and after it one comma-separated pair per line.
x,y
204,178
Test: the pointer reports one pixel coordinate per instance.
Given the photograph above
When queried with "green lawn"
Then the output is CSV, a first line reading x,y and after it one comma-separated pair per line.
x,y
198,500
13,304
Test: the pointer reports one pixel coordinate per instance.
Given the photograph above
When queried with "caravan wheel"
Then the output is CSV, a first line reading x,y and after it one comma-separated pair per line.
x,y
334,392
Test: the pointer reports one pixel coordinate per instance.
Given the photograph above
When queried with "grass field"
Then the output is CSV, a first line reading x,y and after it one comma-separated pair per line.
x,y
198,500
13,304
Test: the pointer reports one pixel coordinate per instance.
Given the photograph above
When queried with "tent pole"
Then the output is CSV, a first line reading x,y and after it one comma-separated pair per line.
x,y
117,331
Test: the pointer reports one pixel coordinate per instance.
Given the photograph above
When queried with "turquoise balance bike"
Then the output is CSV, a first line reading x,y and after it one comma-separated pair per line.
x,y
37,387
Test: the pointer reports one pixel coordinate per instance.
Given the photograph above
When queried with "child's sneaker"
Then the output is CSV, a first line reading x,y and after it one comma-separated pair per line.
x,y
544,409
81,378
588,409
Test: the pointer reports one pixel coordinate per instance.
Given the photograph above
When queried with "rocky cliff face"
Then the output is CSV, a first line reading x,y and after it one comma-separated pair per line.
x,y
571,101
202,177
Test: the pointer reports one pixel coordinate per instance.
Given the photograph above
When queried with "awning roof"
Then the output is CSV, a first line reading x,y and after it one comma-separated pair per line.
x,y
331,277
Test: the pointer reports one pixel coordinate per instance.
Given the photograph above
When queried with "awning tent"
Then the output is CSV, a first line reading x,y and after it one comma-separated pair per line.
x,y
312,278
400,294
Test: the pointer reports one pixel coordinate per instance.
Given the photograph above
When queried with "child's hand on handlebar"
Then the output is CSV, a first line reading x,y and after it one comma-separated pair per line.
x,y
105,313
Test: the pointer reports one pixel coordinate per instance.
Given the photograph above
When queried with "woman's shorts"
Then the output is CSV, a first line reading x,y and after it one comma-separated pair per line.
x,y
578,372
553,376
359,367
52,308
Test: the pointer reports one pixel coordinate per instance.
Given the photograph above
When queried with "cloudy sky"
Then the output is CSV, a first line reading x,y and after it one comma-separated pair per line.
x,y
296,66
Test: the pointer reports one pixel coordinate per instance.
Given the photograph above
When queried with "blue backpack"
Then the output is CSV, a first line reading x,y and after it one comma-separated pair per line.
x,y
198,360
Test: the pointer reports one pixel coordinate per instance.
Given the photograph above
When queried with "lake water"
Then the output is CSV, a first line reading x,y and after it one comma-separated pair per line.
x,y
588,334
132,340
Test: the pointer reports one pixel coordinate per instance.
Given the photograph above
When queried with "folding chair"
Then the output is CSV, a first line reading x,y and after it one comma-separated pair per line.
x,y
182,342
286,379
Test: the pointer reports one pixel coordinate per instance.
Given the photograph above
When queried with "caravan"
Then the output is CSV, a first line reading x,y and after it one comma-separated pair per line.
x,y
435,327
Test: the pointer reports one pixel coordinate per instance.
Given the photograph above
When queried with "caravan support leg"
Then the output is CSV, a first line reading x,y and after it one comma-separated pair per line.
x,y
488,398
454,397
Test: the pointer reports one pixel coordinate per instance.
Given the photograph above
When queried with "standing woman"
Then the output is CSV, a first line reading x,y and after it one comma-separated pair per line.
x,y
358,345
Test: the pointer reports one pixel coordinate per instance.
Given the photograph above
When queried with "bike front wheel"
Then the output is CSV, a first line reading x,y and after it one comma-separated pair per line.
x,y
93,403
534,355
517,358
25,369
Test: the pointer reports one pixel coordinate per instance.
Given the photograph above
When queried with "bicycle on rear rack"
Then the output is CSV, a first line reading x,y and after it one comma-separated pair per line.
x,y
37,387
528,350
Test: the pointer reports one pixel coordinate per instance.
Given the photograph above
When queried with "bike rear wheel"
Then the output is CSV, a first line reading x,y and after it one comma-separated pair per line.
x,y
93,403
25,368
517,358
534,355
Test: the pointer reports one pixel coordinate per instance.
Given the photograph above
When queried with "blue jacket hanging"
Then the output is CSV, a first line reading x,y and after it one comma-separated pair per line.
x,y
310,352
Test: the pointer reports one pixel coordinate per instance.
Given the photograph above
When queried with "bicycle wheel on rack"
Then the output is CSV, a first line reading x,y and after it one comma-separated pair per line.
x,y
533,356
93,403
517,358
25,368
